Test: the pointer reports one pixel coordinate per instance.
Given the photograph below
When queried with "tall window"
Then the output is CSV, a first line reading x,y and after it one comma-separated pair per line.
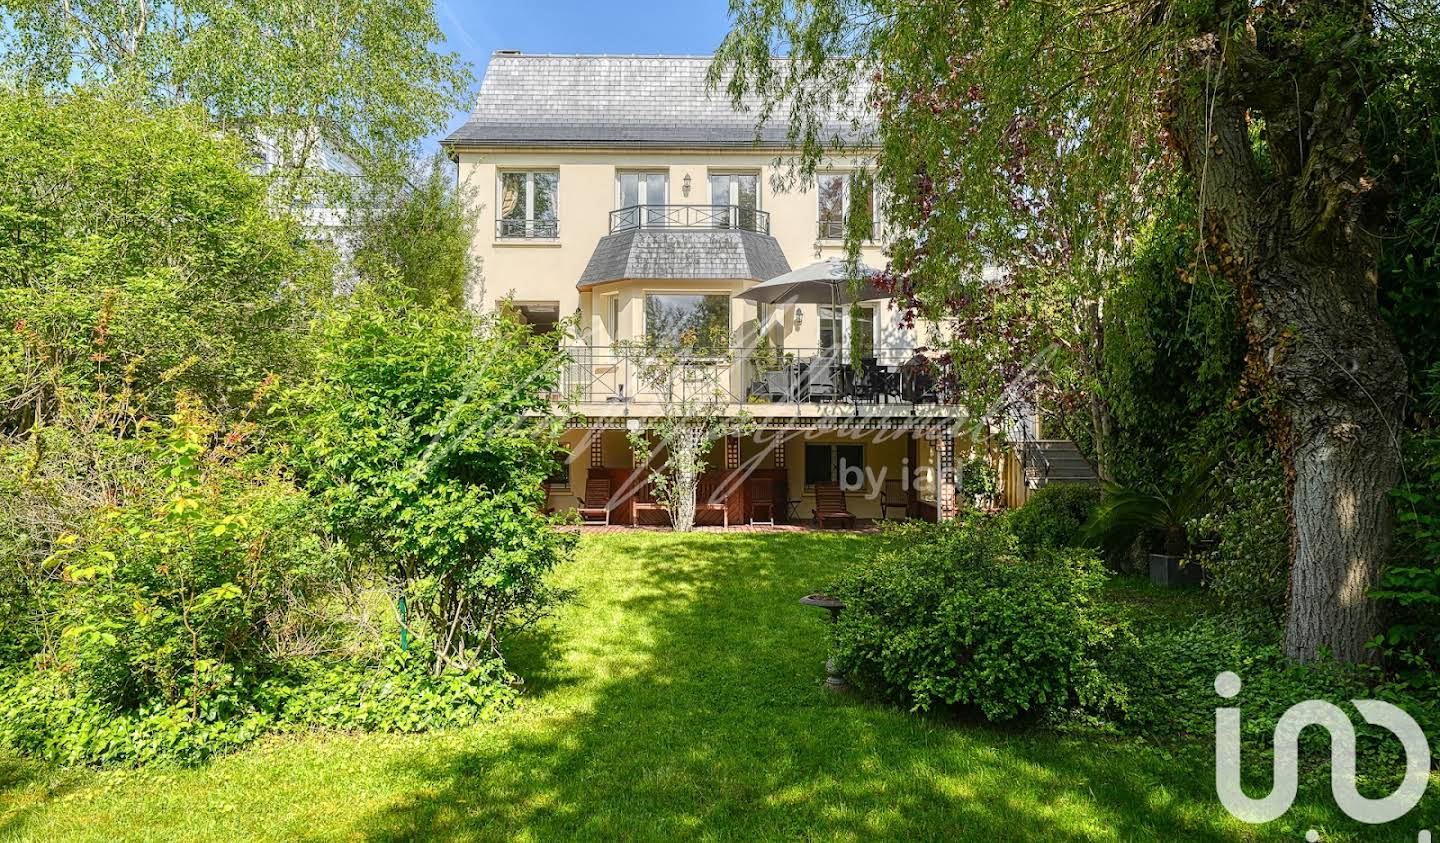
x,y
637,190
837,330
834,464
528,203
835,202
739,196
697,321
615,318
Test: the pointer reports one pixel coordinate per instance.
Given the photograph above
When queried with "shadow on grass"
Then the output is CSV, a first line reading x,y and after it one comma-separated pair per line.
x,y
17,775
717,727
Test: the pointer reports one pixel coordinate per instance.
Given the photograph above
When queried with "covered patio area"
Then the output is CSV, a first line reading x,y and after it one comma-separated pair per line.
x,y
783,474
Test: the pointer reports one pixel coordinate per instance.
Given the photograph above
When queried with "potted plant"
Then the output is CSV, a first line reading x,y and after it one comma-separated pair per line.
x,y
1157,516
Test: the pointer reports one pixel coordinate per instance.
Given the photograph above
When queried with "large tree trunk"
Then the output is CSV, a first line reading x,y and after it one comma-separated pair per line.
x,y
1298,238
1340,380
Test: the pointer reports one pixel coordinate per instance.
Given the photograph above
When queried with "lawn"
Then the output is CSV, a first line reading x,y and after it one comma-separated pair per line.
x,y
676,696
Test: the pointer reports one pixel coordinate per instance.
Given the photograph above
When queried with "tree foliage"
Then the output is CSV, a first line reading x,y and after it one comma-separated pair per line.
x,y
1035,137
139,259
420,234
426,435
169,590
354,77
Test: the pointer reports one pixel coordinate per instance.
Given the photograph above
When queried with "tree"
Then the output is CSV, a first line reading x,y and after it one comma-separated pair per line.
x,y
305,79
1027,134
421,232
139,259
694,414
426,434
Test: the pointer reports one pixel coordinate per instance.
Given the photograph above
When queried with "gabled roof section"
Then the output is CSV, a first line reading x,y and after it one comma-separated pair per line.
x,y
618,101
722,254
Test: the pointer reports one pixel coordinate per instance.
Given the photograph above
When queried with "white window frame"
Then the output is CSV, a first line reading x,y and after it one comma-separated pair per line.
x,y
734,197
849,180
643,198
613,313
530,228
846,328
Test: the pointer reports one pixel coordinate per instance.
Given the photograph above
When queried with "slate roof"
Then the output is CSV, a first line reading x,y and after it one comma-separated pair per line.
x,y
617,101
684,254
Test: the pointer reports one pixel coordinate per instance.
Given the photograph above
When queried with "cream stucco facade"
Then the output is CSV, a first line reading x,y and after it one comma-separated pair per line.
x,y
544,269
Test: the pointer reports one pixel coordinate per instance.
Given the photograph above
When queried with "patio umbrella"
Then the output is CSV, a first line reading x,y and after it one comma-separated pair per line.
x,y
824,282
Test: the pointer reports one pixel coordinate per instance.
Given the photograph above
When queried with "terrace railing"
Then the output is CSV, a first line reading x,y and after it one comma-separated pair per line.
x,y
622,376
695,217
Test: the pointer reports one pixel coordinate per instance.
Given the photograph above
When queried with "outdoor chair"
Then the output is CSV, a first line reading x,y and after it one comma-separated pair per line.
x,y
892,496
779,385
704,495
820,381
918,385
644,501
830,504
762,499
596,503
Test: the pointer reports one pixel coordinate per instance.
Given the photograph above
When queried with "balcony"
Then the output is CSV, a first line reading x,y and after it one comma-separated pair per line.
x,y
690,217
625,377
685,242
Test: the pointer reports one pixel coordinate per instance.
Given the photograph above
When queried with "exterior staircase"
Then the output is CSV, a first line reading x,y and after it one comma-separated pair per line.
x,y
1047,461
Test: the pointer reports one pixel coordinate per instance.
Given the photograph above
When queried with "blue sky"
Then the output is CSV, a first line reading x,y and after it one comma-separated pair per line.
x,y
476,29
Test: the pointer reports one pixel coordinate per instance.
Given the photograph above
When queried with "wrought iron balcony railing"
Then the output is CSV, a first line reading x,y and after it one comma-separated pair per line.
x,y
623,376
527,229
703,217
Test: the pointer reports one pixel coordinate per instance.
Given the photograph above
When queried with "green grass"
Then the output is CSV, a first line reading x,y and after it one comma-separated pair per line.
x,y
678,696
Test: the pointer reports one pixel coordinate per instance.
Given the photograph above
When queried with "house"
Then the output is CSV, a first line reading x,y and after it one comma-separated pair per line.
x,y
619,190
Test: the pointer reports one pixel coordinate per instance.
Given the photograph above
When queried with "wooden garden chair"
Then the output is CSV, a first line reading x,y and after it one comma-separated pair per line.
x,y
830,504
596,503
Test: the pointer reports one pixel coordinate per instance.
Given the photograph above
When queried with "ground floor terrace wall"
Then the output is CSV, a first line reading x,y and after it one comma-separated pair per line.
x,y
896,472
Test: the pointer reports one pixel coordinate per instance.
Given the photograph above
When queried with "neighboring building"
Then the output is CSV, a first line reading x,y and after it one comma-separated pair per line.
x,y
619,190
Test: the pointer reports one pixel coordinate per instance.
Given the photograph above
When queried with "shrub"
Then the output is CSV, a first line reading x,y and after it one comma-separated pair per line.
x,y
1168,678
41,714
1053,516
166,598
1409,590
954,614
979,482
401,695
1243,539
426,437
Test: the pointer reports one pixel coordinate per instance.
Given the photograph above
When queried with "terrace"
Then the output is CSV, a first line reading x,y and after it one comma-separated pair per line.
x,y
756,376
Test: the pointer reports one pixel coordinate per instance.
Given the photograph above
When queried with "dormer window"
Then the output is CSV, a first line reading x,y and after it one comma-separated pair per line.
x,y
528,203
